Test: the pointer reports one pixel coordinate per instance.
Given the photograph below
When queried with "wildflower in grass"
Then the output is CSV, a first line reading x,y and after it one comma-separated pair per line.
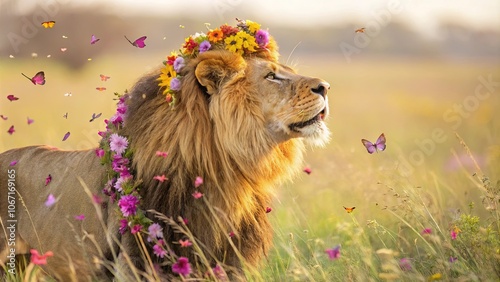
x,y
182,266
436,276
160,178
452,259
453,234
205,46
405,264
80,217
128,205
119,183
426,231
154,231
185,220
219,273
231,234
334,253
197,194
198,181
268,210
123,226
48,179
117,143
185,243
51,200
96,199
137,228
99,152
39,259
158,249
262,38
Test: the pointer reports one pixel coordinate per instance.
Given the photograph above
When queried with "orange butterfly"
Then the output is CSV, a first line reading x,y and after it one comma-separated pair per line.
x,y
49,24
360,30
104,78
100,88
349,210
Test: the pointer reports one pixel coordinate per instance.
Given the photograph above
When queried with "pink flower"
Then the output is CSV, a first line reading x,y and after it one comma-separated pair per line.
x,y
161,154
48,180
155,231
96,199
185,243
219,273
453,234
160,178
198,181
38,259
197,194
333,253
182,266
307,170
405,264
51,200
99,152
118,143
123,226
158,250
427,231
136,228
268,210
80,217
262,38
128,205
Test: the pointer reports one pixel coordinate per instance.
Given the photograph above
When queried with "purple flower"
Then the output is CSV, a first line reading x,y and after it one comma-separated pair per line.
x,y
453,259
405,264
219,273
179,64
204,46
121,108
116,119
175,84
123,226
128,205
101,133
333,253
119,183
262,37
182,266
158,250
136,228
118,143
155,231
99,152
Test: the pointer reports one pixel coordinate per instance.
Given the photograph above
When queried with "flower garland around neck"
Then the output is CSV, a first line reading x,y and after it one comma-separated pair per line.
x,y
245,38
121,186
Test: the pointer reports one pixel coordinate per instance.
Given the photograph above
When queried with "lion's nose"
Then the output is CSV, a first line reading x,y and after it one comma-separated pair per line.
x,y
321,89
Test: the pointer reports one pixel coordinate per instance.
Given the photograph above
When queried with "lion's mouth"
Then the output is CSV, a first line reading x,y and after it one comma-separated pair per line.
x,y
317,118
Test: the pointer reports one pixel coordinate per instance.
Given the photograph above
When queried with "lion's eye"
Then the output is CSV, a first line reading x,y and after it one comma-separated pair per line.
x,y
271,76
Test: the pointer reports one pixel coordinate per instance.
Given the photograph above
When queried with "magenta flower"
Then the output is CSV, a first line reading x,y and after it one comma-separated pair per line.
x,y
175,84
51,200
268,210
158,250
118,143
155,231
262,37
116,119
427,231
405,264
333,253
197,194
182,266
137,228
80,217
39,259
179,63
219,273
99,152
123,226
13,163
119,183
198,181
453,234
205,46
453,259
128,205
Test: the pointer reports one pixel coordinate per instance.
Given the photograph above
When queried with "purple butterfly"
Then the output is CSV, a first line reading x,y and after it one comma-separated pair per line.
x,y
66,136
94,39
378,146
39,78
139,42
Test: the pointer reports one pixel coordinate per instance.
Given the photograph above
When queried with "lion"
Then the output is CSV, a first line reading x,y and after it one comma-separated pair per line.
x,y
240,122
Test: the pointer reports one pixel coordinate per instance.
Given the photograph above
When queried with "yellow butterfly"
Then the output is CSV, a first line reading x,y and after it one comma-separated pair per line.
x,y
49,24
349,210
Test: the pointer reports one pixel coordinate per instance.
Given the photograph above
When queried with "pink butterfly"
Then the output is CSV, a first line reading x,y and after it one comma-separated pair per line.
x,y
104,78
30,121
185,243
4,117
66,136
39,78
139,42
51,200
94,39
11,130
12,98
48,180
378,146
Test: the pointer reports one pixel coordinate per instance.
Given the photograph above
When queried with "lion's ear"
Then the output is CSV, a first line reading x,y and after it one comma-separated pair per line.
x,y
214,69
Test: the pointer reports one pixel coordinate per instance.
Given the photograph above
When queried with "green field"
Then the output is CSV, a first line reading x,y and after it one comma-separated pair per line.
x,y
428,177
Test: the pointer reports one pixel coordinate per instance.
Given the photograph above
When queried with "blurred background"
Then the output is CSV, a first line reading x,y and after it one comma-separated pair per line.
x,y
420,71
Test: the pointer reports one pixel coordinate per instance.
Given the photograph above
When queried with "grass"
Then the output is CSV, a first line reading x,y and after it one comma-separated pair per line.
x,y
447,184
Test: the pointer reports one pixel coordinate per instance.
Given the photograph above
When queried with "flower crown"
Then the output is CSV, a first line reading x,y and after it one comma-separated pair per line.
x,y
245,38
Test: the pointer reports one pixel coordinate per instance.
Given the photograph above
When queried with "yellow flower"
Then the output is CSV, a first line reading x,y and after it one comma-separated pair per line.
x,y
248,41
234,43
253,26
167,73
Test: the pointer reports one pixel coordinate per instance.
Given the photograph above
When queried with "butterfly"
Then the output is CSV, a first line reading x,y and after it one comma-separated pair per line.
x,y
360,30
39,78
104,78
4,117
48,24
139,42
100,88
30,121
66,136
12,97
11,130
68,94
94,116
378,146
349,210
94,39
65,116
